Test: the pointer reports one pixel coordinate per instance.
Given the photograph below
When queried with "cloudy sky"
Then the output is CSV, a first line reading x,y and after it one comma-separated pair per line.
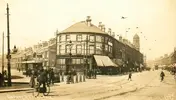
x,y
32,21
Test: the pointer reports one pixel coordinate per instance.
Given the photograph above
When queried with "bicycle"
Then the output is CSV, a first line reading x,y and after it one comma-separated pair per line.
x,y
41,89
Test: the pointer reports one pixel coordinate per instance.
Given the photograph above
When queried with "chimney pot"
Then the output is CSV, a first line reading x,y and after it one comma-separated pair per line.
x,y
100,25
113,34
103,28
88,20
109,31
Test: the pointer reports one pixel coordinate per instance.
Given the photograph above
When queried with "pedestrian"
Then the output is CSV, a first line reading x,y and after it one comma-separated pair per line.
x,y
162,75
175,77
32,80
1,80
51,76
129,76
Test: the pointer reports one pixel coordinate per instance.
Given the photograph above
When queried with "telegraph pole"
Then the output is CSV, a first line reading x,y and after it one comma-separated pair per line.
x,y
3,55
8,49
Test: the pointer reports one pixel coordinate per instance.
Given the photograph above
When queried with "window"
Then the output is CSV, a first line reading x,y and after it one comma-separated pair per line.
x,y
106,47
76,61
98,48
58,38
73,61
60,61
47,54
110,49
67,49
106,40
102,39
78,49
79,37
98,39
91,38
81,61
47,63
67,37
91,49
61,49
62,38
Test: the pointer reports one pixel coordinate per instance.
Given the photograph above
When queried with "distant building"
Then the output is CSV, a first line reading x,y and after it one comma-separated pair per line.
x,y
136,42
41,55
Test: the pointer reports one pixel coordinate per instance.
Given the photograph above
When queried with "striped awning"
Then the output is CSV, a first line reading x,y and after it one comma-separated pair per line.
x,y
104,61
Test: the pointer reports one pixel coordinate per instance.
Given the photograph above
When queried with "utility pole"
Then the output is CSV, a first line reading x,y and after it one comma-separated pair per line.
x,y
8,49
3,55
87,68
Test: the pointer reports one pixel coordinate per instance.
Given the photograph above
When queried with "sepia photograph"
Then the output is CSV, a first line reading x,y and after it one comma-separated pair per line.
x,y
87,49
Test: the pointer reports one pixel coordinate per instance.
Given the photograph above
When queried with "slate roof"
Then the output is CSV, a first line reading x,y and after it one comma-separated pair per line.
x,y
83,27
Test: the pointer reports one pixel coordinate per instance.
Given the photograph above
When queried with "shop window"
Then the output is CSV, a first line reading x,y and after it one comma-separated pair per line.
x,y
78,61
61,61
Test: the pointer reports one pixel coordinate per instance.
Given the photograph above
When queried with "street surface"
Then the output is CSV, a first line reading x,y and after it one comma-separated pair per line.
x,y
144,86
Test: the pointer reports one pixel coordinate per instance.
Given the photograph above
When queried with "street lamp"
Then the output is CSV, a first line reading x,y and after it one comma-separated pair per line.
x,y
69,65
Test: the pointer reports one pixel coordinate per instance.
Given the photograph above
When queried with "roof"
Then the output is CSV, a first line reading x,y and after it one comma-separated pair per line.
x,y
136,36
83,27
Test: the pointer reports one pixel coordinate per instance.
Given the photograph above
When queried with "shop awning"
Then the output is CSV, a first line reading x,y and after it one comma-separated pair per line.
x,y
31,62
104,61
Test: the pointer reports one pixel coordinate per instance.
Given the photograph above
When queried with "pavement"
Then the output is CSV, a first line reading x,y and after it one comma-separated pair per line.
x,y
26,80
17,84
144,86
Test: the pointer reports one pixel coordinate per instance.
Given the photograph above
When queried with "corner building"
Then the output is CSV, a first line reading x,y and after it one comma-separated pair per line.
x,y
84,46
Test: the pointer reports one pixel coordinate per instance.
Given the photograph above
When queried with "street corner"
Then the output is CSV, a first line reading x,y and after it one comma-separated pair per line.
x,y
27,97
15,90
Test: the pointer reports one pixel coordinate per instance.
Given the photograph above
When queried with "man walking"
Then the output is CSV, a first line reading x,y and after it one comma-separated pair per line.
x,y
129,76
162,75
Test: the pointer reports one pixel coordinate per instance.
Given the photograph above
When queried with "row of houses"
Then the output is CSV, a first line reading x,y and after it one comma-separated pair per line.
x,y
81,46
42,54
167,59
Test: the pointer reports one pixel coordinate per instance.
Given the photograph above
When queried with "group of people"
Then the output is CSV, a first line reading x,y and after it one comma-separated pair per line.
x,y
42,76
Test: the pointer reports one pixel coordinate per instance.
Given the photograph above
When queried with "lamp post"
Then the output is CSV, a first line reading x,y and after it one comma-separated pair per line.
x,y
69,65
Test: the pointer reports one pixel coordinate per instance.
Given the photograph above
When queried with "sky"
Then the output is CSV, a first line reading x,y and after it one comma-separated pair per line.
x,y
33,21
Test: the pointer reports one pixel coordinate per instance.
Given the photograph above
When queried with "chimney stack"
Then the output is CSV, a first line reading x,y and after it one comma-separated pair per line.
x,y
120,38
113,34
109,31
88,20
100,25
103,28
